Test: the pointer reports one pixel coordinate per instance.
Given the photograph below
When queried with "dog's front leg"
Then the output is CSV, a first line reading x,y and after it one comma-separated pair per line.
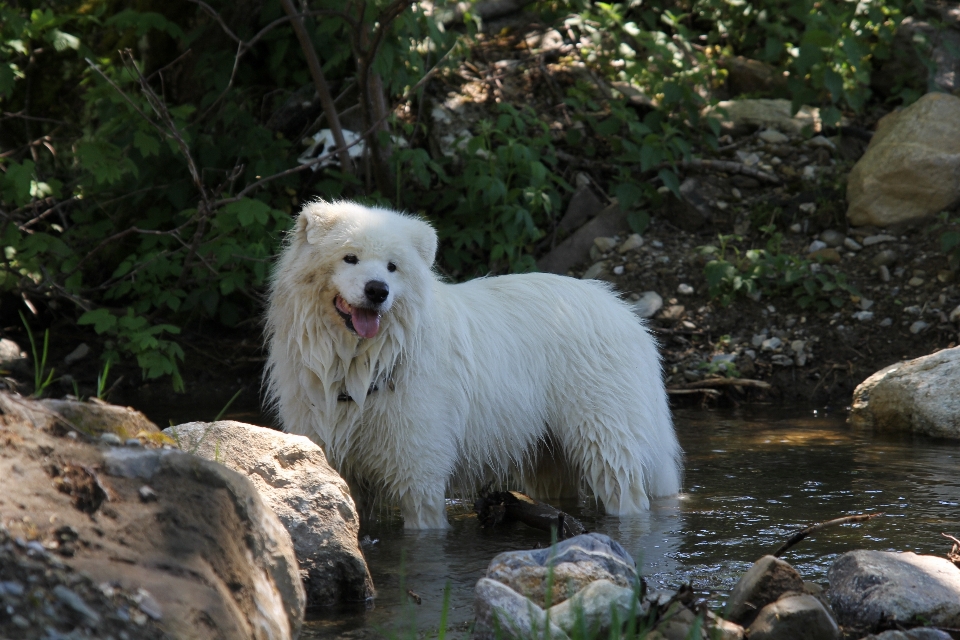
x,y
423,510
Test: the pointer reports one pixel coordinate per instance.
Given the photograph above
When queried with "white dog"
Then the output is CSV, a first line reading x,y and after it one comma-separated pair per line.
x,y
408,382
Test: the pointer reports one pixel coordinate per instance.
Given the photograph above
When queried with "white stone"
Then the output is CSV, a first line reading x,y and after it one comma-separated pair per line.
x,y
918,396
816,245
618,270
633,241
771,344
809,172
852,244
863,316
605,244
504,614
796,227
918,326
865,303
81,352
869,241
684,289
773,136
808,207
594,270
820,141
595,605
649,303
955,314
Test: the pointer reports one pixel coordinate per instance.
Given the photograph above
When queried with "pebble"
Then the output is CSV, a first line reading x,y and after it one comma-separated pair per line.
x,y
884,273
133,442
913,310
869,241
758,339
796,227
945,276
19,621
147,494
782,360
111,438
688,325
605,244
832,237
773,136
852,244
918,326
11,588
865,304
748,159
809,172
915,281
684,289
797,346
594,270
656,244
770,344
736,193
808,207
955,314
886,322
863,316
633,241
648,304
820,141
801,359
723,357
816,245
81,352
618,270
885,258
75,602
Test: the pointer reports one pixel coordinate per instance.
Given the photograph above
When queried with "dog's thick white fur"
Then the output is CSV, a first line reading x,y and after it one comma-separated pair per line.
x,y
537,376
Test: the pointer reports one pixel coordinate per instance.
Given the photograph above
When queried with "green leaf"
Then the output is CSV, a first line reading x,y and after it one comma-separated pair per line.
x,y
101,319
249,211
670,180
148,145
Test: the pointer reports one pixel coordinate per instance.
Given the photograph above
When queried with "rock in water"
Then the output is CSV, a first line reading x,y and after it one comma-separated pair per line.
x,y
504,614
918,396
310,498
911,169
868,588
795,617
763,583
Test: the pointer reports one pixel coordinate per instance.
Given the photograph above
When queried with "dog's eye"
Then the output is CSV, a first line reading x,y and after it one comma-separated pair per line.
x,y
391,267
350,259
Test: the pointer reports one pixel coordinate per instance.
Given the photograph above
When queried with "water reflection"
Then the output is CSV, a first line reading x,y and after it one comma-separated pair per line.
x,y
752,478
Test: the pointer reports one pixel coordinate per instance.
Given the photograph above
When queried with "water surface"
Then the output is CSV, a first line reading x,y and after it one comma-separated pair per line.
x,y
752,478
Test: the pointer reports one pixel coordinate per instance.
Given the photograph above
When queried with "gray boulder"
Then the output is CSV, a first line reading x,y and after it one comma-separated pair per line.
x,y
504,614
767,580
312,501
596,607
211,560
870,587
911,170
918,396
794,617
575,563
918,633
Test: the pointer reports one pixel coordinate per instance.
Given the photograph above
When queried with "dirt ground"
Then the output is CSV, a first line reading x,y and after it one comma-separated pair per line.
x,y
904,316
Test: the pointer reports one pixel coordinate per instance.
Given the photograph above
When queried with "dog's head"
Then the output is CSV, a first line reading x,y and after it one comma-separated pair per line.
x,y
367,261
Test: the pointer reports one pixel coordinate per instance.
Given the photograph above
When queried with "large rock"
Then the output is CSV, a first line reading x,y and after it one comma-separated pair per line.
x,y
504,614
192,537
312,501
868,588
92,418
744,116
574,563
919,396
795,617
767,580
911,169
596,606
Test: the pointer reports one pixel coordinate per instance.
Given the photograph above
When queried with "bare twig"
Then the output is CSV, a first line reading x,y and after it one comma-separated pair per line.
x,y
803,533
320,84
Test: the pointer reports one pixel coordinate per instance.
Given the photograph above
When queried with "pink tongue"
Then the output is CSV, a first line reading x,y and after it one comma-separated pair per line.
x,y
366,322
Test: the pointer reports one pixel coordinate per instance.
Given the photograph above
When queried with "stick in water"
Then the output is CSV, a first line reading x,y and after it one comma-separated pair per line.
x,y
803,533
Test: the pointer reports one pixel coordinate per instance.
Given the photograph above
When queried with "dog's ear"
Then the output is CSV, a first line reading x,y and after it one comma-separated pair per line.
x,y
316,220
425,242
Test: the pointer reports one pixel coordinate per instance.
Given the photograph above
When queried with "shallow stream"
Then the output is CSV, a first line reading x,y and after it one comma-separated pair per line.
x,y
753,477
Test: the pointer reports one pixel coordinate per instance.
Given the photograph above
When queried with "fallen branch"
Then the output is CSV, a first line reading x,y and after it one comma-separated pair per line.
x,y
494,507
710,393
803,533
711,383
726,166
954,555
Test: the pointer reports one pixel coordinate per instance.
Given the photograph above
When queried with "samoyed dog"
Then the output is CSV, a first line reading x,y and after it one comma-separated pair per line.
x,y
413,386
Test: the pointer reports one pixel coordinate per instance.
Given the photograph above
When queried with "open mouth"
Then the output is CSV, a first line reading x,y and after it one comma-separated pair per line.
x,y
364,322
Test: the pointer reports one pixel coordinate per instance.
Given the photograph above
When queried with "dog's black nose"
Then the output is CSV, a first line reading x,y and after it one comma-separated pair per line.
x,y
376,291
